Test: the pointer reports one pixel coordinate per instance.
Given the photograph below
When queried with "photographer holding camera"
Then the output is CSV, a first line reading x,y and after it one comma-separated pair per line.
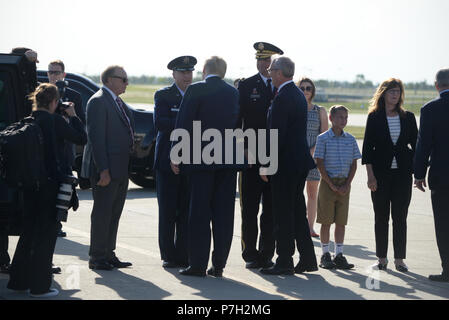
x,y
56,75
31,266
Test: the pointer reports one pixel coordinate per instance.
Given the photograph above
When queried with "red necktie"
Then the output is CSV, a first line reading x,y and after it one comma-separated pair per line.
x,y
125,117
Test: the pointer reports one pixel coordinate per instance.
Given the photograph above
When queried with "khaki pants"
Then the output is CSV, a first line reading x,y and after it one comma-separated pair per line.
x,y
332,207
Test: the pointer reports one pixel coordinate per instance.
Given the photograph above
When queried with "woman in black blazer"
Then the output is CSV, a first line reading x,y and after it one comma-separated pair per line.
x,y
388,150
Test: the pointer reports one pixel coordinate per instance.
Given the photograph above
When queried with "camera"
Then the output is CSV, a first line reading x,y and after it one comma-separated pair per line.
x,y
63,199
61,85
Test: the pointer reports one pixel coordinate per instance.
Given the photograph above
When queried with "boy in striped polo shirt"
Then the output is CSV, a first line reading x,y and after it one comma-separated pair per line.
x,y
336,156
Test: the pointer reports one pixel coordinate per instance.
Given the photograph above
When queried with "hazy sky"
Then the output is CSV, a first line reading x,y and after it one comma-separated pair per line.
x,y
332,39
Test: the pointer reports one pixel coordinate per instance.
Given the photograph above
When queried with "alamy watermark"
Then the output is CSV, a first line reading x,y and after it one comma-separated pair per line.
x,y
188,149
372,282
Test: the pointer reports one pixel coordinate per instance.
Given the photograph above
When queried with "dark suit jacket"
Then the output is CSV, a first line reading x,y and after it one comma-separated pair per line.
x,y
378,149
166,107
67,134
288,114
254,99
108,139
215,104
75,97
433,142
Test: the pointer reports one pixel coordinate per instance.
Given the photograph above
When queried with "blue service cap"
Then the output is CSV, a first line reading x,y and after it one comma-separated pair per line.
x,y
183,63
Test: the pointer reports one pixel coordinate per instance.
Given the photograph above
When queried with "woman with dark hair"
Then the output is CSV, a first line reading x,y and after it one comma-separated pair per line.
x,y
388,150
317,123
31,268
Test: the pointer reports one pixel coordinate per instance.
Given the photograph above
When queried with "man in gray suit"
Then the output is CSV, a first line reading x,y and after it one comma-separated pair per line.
x,y
110,131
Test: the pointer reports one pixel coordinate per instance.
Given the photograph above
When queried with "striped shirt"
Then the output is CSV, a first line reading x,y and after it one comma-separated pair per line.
x,y
394,124
338,152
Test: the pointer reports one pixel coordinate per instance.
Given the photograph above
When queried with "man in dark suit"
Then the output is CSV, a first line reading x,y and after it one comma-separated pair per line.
x,y
256,94
214,105
288,115
172,190
433,140
110,131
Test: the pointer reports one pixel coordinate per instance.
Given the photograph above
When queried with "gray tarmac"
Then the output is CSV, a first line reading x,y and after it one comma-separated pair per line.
x,y
138,243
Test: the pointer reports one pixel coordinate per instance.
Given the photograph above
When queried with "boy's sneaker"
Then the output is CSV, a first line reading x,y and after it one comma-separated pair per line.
x,y
326,261
341,262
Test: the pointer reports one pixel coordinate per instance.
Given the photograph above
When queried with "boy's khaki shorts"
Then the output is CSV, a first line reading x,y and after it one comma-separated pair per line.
x,y
332,207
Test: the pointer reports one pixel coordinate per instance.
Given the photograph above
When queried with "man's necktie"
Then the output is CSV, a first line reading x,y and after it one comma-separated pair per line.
x,y
269,84
125,117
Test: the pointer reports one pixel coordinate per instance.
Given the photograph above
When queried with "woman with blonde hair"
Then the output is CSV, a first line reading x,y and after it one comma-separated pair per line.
x,y
317,123
388,150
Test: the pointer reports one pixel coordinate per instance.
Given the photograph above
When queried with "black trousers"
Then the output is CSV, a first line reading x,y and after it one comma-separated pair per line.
x,y
290,220
212,199
4,242
440,206
253,190
393,194
173,201
105,217
31,264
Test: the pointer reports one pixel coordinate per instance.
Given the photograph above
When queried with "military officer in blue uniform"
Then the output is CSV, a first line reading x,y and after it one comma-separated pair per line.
x,y
256,95
172,190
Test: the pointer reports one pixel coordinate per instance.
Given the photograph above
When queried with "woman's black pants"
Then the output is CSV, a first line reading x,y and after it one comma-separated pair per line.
x,y
393,194
31,265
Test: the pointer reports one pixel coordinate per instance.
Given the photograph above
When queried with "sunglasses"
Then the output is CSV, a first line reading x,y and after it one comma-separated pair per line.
x,y
54,72
124,79
304,89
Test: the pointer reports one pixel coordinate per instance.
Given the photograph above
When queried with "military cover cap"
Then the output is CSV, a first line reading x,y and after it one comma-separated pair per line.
x,y
266,50
183,63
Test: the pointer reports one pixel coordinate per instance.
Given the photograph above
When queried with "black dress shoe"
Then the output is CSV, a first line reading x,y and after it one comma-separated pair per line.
x,y
115,262
265,264
183,265
169,264
215,272
302,267
253,265
439,278
62,234
100,265
277,270
56,270
4,268
189,271
402,268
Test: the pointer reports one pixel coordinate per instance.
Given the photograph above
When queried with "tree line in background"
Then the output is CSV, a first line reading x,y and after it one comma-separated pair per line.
x,y
359,83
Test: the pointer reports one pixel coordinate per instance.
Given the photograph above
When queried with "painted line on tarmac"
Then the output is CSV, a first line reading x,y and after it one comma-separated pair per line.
x,y
155,255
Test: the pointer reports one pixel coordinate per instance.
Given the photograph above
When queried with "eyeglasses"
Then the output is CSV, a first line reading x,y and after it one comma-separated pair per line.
x,y
304,89
57,73
124,79
271,70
